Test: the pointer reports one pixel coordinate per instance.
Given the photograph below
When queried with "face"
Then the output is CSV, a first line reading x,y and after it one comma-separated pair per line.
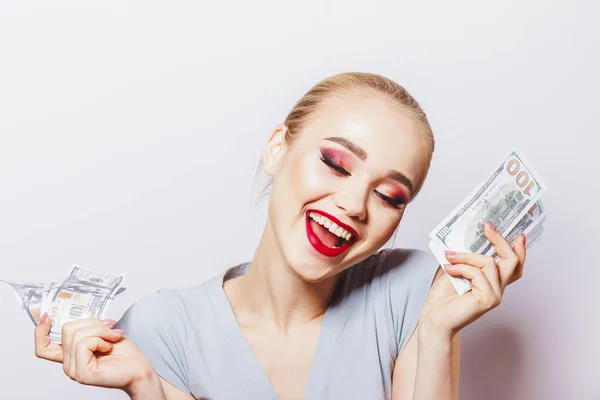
x,y
340,189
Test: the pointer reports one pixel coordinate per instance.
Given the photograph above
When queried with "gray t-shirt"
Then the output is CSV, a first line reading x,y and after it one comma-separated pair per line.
x,y
192,337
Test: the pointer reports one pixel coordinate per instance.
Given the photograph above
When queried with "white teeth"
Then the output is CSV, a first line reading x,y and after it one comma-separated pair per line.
x,y
331,226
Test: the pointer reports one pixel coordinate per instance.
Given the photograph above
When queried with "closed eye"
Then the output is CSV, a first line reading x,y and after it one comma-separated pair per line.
x,y
396,203
332,165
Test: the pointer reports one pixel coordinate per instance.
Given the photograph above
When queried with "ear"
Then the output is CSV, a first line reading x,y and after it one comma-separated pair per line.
x,y
274,150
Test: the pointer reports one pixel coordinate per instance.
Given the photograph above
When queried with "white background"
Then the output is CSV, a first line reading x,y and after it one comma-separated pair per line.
x,y
130,134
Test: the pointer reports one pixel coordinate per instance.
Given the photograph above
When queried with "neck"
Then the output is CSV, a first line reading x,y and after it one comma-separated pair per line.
x,y
272,293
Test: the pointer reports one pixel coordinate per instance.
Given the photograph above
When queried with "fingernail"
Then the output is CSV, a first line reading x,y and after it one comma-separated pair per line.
x,y
44,318
119,331
448,266
450,252
492,227
110,322
524,239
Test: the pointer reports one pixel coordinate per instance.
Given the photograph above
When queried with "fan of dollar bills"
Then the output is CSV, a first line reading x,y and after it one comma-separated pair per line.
x,y
509,198
83,294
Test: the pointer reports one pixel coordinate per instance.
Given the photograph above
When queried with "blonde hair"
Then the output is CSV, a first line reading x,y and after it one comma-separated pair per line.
x,y
367,84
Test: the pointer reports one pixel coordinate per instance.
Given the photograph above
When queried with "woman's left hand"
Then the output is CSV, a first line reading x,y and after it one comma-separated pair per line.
x,y
445,312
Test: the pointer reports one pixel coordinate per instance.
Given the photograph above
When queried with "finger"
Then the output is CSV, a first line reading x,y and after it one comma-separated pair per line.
x,y
486,263
68,331
101,331
500,244
520,250
472,259
70,327
42,333
507,259
85,359
43,347
482,289
96,330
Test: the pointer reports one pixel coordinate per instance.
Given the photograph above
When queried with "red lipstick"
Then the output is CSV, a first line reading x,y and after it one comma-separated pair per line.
x,y
319,246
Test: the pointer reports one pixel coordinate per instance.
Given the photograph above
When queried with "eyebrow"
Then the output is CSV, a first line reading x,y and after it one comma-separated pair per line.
x,y
403,179
356,149
362,154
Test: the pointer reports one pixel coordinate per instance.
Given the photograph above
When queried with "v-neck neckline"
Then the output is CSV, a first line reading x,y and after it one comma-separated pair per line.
x,y
258,382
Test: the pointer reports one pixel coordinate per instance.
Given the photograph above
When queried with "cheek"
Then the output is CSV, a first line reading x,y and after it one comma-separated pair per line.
x,y
305,178
299,182
382,226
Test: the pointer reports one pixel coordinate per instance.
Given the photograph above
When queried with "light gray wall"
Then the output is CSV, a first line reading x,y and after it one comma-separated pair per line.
x,y
130,134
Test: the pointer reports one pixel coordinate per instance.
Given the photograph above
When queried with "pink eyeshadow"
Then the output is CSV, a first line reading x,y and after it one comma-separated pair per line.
x,y
336,156
397,194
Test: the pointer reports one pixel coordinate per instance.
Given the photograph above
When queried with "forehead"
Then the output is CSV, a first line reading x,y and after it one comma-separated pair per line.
x,y
386,131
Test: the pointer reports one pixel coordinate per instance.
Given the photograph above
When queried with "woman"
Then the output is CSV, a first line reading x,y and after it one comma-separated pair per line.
x,y
320,312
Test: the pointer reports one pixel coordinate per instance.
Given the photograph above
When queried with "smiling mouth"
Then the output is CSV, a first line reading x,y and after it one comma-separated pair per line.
x,y
327,236
328,231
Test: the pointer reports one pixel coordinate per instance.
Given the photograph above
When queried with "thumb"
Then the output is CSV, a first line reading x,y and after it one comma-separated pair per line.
x,y
43,347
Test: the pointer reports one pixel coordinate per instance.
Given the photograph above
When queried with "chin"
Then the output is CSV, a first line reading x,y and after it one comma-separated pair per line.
x,y
313,273
311,267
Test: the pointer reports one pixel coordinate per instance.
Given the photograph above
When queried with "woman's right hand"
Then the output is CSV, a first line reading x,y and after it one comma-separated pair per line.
x,y
93,353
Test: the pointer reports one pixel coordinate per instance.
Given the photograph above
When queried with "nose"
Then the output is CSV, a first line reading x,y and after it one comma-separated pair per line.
x,y
354,203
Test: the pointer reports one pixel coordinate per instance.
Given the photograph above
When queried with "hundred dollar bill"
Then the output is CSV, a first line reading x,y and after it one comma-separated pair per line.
x,y
51,288
529,223
461,285
33,300
29,296
534,241
504,198
534,235
84,294
538,228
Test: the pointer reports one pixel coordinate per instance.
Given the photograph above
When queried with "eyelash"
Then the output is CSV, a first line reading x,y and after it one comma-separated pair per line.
x,y
337,168
396,203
